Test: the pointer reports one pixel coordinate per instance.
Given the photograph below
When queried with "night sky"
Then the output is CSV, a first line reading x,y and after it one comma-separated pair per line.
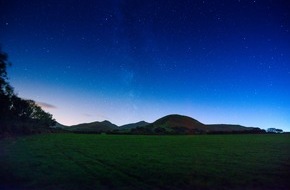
x,y
218,61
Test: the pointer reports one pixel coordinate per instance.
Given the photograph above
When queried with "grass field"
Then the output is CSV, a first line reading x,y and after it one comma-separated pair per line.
x,y
75,161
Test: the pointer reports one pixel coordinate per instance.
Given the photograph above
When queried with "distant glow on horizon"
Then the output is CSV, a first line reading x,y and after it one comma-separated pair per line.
x,y
68,114
127,61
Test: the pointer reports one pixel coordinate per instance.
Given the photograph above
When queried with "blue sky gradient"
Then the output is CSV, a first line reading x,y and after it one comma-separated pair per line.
x,y
122,60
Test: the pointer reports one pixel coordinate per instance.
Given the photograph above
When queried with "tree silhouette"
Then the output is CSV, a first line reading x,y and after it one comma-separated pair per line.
x,y
6,91
16,114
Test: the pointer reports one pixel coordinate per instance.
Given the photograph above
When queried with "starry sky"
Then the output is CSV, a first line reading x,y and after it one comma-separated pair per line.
x,y
218,61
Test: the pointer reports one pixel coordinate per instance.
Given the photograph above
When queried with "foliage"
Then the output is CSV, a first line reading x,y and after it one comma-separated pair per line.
x,y
19,116
146,162
6,91
274,130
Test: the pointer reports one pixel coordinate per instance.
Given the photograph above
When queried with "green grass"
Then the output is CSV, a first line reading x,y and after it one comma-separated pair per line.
x,y
75,161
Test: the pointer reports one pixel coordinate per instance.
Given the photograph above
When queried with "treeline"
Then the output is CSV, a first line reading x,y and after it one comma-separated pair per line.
x,y
17,115
253,131
151,130
174,131
186,131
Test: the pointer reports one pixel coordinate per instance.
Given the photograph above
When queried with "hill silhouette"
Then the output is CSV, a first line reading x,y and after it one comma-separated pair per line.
x,y
173,124
94,127
59,125
226,128
134,125
170,124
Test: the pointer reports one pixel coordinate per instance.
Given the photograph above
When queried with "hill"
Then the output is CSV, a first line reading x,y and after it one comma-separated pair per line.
x,y
226,128
170,124
59,126
133,125
179,124
94,127
173,124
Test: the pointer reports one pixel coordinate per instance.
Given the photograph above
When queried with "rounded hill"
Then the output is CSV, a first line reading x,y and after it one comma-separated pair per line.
x,y
181,122
173,124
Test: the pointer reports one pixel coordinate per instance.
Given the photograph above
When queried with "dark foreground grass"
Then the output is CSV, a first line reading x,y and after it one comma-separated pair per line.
x,y
74,161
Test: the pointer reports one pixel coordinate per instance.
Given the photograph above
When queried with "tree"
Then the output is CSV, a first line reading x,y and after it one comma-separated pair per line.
x,y
16,114
6,91
3,73
28,110
274,130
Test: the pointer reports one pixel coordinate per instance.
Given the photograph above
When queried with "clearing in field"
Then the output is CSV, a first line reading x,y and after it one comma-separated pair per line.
x,y
71,161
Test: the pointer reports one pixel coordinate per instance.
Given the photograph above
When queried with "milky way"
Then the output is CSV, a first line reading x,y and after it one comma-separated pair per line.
x,y
125,61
